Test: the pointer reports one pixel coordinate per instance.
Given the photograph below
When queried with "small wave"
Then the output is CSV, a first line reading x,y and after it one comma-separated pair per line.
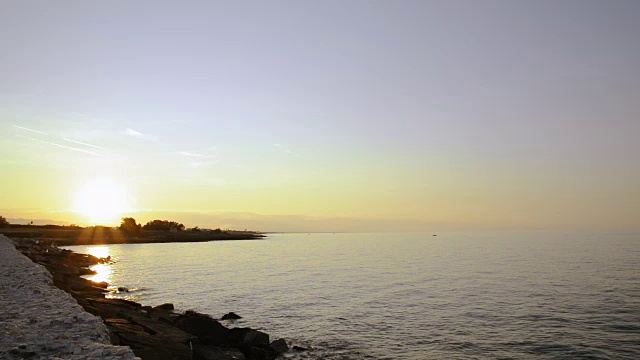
x,y
625,328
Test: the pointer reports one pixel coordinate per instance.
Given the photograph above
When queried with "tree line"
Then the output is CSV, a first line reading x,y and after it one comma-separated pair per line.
x,y
129,224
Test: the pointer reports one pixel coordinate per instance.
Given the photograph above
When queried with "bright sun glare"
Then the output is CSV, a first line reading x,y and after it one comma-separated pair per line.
x,y
101,202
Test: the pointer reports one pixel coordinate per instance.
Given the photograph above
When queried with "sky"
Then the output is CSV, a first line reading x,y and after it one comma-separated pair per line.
x,y
323,115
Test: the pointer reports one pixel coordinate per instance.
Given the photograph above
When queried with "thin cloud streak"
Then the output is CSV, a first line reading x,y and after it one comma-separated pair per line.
x,y
186,153
197,164
131,132
139,135
24,128
61,146
81,143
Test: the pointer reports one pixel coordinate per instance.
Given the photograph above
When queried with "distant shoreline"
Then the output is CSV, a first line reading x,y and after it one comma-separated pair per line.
x,y
65,236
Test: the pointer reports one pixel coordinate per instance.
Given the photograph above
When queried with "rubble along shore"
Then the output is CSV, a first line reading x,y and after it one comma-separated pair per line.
x,y
152,333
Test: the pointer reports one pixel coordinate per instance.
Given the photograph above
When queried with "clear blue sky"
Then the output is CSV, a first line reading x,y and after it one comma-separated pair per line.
x,y
487,113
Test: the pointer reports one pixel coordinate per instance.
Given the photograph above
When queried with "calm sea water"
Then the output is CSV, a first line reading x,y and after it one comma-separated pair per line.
x,y
406,296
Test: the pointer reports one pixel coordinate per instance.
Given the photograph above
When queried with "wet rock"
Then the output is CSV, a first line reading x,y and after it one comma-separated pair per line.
x,y
231,316
203,352
246,337
208,330
299,348
259,353
167,306
280,346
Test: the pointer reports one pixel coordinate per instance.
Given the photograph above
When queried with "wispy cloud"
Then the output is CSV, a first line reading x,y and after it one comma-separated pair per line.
x,y
61,146
186,153
81,143
139,135
27,129
131,132
197,164
204,158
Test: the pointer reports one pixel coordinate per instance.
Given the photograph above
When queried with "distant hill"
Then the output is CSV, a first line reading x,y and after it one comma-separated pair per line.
x,y
37,221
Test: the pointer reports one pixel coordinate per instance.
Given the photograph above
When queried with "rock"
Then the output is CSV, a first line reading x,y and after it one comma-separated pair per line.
x,y
27,354
231,316
96,354
215,353
280,346
259,353
102,284
208,330
122,289
246,337
85,317
167,306
299,348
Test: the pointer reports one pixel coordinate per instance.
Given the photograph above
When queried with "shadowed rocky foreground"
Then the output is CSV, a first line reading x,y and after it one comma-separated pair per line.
x,y
152,333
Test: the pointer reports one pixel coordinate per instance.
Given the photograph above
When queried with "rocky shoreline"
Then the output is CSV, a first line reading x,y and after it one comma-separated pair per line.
x,y
151,332
40,321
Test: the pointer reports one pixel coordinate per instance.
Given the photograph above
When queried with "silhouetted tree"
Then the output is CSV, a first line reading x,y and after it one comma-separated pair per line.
x,y
3,222
129,225
165,225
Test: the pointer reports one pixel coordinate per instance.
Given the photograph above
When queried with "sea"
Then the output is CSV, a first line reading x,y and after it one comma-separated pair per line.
x,y
457,295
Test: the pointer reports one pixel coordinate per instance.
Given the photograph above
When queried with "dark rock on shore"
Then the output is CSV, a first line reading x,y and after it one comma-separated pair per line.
x,y
279,346
167,306
231,316
207,330
246,337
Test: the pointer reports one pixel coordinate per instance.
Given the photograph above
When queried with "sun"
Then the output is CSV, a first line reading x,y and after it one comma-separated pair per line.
x,y
101,202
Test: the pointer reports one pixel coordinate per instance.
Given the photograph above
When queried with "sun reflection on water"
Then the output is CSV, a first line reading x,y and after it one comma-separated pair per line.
x,y
103,271
99,251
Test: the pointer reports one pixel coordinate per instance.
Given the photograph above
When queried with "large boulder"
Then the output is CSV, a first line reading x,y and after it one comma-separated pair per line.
x,y
208,330
259,353
280,346
246,337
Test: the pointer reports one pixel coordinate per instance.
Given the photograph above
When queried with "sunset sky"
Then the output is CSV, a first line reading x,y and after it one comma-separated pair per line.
x,y
323,115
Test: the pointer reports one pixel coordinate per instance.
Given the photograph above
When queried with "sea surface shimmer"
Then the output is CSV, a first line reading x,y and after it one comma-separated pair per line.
x,y
514,295
40,321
